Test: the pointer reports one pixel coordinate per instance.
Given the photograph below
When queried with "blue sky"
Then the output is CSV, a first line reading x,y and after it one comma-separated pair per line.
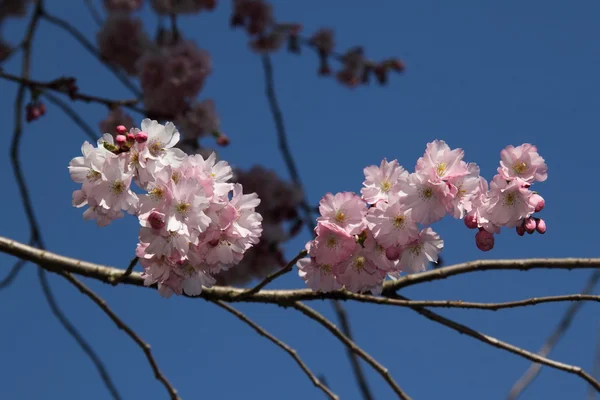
x,y
480,75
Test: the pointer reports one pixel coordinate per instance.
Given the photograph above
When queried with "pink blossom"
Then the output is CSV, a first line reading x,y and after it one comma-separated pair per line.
x,y
537,202
419,253
507,202
318,277
247,222
522,162
392,223
440,162
382,181
468,190
333,244
344,209
427,199
359,273
122,41
187,207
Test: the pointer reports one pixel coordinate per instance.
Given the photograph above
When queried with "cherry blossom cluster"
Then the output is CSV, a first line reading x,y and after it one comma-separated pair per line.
x,y
279,208
385,232
194,222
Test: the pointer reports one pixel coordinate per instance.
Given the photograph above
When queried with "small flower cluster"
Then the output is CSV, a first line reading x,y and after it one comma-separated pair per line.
x,y
194,222
360,240
279,208
267,35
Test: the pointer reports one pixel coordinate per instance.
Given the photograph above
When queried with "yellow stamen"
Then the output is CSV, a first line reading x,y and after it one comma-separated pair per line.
x,y
520,167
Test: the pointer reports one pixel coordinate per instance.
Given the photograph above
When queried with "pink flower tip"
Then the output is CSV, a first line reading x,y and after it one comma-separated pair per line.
x,y
141,137
471,221
130,137
156,220
529,225
541,226
223,140
537,201
121,140
520,230
392,253
484,240
121,130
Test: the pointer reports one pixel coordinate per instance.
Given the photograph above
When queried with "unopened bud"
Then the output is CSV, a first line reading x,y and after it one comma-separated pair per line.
x,y
141,137
471,221
130,138
223,140
529,225
484,240
541,226
392,253
520,230
156,220
121,140
537,201
121,130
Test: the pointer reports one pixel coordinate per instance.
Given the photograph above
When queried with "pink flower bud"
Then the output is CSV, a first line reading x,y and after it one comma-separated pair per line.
x,y
223,140
520,230
529,225
537,201
121,140
141,137
541,226
42,108
471,221
156,220
484,240
392,253
130,137
121,130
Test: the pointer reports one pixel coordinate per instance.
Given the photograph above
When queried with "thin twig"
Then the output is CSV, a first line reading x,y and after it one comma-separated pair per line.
x,y
391,287
292,352
91,49
313,314
59,85
127,272
94,12
270,278
562,327
592,394
121,325
504,345
12,275
363,385
80,122
78,337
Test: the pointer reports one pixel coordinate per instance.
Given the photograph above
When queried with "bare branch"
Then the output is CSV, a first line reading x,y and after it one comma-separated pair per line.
x,y
592,395
504,345
78,337
564,324
283,297
12,275
85,127
363,385
128,271
275,275
313,314
60,85
91,49
490,265
121,325
292,352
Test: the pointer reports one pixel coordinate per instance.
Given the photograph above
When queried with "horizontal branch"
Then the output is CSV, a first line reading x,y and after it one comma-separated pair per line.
x,y
61,85
112,276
